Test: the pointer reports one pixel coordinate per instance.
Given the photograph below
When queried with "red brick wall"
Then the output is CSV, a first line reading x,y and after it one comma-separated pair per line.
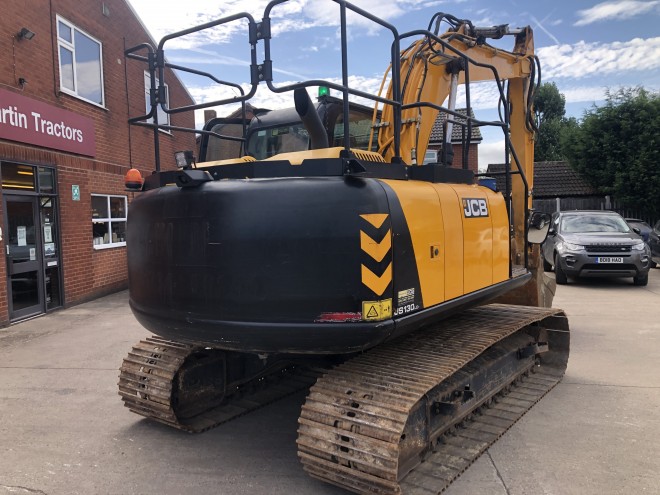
x,y
473,156
33,60
86,272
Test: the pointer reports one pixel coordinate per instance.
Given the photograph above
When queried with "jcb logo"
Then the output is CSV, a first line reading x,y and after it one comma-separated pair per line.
x,y
475,207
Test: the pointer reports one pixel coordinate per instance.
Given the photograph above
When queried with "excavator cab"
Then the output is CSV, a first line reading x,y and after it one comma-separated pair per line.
x,y
266,133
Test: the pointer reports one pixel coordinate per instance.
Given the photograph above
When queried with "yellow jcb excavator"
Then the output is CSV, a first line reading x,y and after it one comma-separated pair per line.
x,y
304,261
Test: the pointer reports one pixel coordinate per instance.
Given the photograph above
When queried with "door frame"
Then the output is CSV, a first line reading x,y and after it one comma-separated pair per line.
x,y
34,266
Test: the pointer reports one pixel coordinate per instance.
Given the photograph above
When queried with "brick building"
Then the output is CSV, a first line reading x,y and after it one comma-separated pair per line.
x,y
458,137
66,94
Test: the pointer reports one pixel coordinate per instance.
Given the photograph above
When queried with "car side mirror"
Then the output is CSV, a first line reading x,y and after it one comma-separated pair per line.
x,y
539,227
637,230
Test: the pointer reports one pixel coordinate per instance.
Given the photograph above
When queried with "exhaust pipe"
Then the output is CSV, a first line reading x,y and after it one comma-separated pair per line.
x,y
310,119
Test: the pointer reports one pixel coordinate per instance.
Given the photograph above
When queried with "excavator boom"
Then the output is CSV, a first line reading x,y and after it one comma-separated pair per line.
x,y
434,66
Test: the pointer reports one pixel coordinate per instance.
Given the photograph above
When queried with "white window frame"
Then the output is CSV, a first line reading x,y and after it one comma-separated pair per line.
x,y
147,102
109,220
72,48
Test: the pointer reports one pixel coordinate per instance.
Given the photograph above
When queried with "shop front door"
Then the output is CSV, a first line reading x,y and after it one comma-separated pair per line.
x,y
24,246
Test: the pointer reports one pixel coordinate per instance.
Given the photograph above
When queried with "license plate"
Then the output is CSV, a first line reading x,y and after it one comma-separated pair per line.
x,y
610,259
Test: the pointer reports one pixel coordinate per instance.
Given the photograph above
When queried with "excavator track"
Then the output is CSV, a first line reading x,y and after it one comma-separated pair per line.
x,y
402,418
149,375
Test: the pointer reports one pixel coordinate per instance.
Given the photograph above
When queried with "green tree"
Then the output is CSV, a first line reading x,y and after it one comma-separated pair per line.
x,y
616,148
549,103
550,108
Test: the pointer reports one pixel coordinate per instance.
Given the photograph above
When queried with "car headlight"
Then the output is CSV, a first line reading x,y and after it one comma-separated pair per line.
x,y
569,246
639,246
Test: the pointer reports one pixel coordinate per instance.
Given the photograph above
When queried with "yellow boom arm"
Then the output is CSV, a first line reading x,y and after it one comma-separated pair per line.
x,y
431,71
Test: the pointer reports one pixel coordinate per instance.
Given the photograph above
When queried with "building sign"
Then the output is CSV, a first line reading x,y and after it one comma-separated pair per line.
x,y
31,121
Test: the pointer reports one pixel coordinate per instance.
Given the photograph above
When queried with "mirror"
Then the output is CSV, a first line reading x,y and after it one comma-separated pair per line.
x,y
539,225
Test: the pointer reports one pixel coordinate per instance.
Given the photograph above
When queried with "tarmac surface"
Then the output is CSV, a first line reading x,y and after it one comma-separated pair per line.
x,y
64,430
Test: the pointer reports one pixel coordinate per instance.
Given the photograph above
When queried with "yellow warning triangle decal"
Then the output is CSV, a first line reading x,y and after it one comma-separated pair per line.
x,y
375,219
372,312
377,250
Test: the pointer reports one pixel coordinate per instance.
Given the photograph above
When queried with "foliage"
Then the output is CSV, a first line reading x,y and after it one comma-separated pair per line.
x,y
549,103
548,146
550,108
616,148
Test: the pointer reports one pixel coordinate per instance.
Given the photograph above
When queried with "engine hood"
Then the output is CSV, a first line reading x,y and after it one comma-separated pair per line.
x,y
603,238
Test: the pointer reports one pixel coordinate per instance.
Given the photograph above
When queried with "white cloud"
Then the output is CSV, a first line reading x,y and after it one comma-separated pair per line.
x,y
598,59
483,95
296,15
617,10
219,59
584,94
490,152
172,16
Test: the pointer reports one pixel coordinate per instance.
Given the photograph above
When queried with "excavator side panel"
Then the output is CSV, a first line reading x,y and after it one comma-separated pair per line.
x,y
472,254
422,209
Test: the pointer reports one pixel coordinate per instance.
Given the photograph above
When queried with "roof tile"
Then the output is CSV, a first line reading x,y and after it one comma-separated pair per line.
x,y
551,180
457,130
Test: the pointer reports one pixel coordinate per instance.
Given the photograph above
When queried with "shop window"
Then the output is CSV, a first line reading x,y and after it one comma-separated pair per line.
x,y
46,180
108,221
81,63
163,117
18,176
28,178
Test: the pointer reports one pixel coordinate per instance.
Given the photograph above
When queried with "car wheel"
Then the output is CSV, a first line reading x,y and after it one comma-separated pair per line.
x,y
560,275
547,267
641,279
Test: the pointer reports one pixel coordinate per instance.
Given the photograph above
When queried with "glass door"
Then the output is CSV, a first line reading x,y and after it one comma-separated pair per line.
x,y
49,228
24,257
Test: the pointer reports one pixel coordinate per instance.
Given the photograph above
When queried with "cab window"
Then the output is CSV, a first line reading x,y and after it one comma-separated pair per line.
x,y
275,140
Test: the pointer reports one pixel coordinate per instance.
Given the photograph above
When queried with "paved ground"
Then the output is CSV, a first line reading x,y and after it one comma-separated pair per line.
x,y
63,429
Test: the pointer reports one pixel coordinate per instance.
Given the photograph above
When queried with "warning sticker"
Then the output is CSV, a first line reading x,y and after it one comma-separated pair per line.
x,y
377,310
406,296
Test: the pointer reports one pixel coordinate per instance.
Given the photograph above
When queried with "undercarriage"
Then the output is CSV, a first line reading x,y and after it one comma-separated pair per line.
x,y
406,417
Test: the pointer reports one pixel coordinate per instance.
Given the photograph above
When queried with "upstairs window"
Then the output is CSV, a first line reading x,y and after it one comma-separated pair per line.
x,y
81,63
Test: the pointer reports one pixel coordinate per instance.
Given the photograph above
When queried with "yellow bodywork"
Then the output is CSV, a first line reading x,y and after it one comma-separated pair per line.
x,y
454,254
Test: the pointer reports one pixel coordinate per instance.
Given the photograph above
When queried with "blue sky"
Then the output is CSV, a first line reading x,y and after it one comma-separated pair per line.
x,y
585,47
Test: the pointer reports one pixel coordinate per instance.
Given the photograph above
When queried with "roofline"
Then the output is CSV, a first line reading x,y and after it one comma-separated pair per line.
x,y
153,42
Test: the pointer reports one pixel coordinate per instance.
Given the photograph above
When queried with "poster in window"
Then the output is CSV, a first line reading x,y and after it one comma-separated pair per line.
x,y
48,233
21,235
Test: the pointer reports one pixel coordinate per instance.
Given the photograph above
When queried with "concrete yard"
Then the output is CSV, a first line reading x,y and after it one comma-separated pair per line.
x,y
64,430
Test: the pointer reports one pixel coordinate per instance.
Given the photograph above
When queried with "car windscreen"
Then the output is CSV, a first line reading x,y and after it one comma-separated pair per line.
x,y
578,224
